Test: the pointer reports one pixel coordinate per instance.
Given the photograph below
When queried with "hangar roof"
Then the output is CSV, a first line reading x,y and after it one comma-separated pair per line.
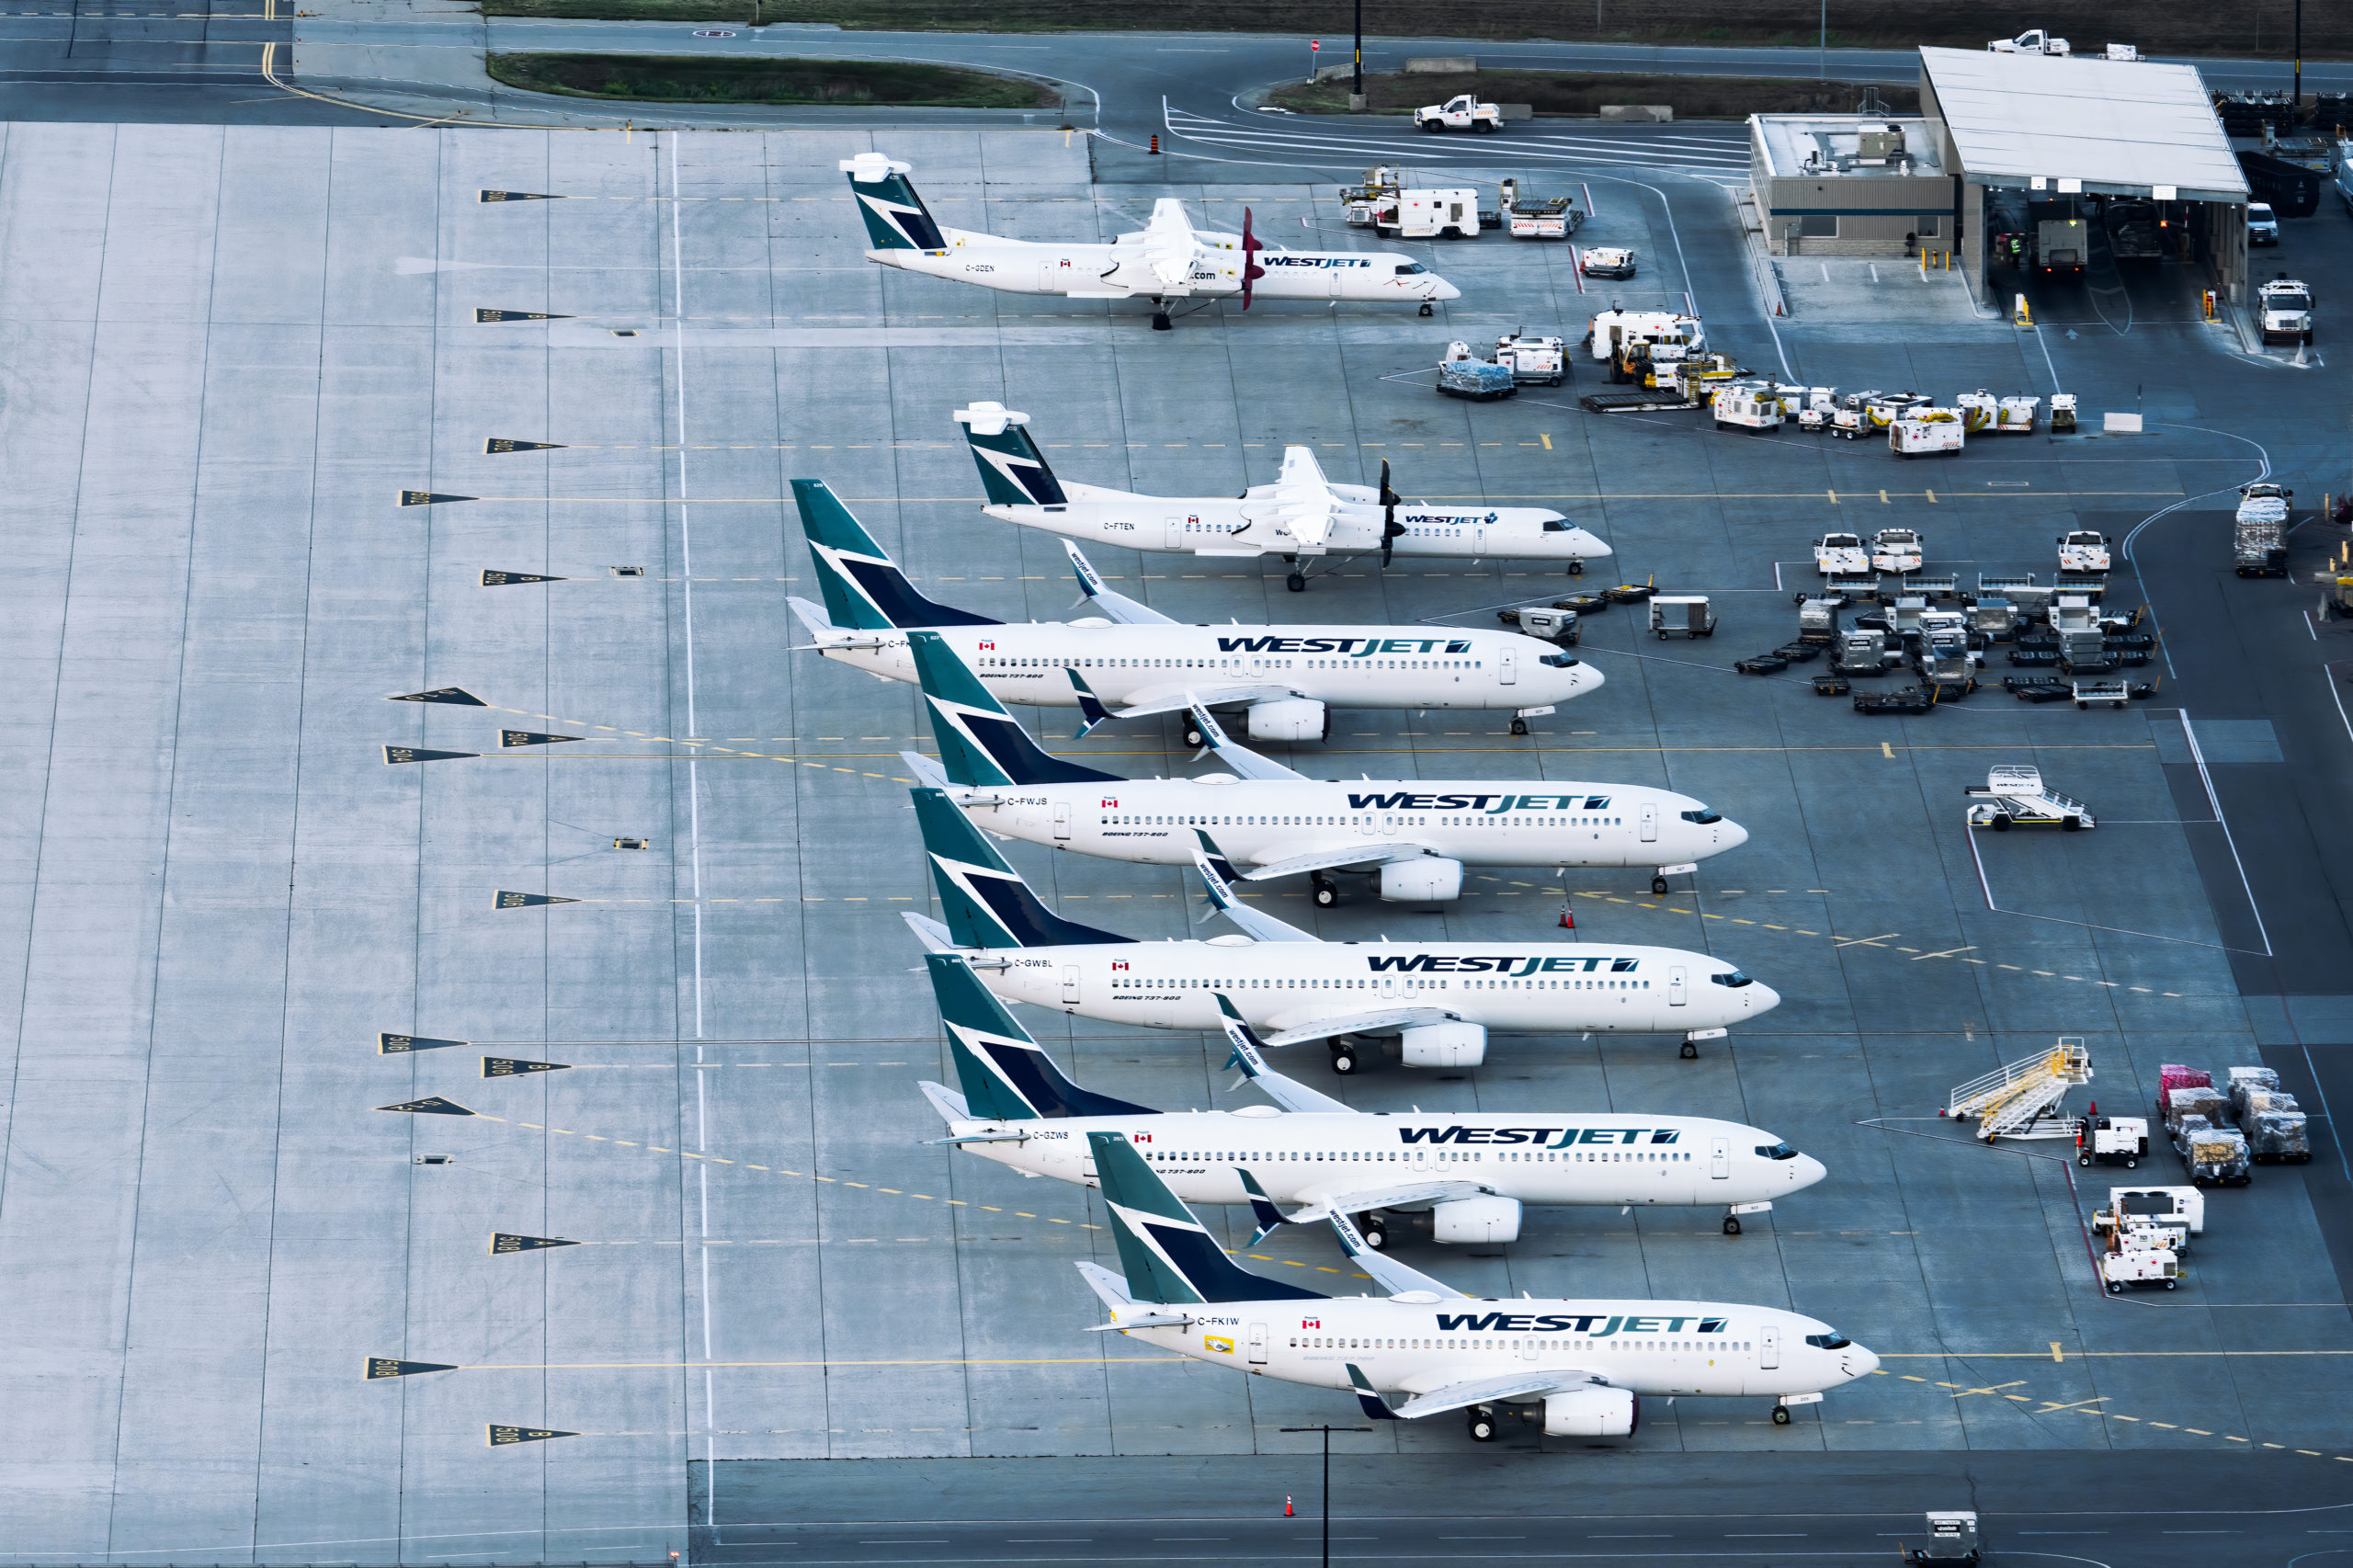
x,y
2120,127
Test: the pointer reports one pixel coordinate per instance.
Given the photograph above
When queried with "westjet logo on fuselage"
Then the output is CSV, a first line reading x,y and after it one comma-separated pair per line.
x,y
1616,1137
1355,647
1264,260
1448,964
1572,1323
1491,805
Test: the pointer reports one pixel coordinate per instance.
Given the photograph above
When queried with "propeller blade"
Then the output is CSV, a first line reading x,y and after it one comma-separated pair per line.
x,y
1251,270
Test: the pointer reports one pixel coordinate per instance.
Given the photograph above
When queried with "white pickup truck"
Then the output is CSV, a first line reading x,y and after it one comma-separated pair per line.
x,y
1461,112
2082,550
2034,40
1842,554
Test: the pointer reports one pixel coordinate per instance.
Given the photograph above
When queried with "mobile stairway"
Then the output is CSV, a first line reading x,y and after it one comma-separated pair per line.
x,y
2022,1100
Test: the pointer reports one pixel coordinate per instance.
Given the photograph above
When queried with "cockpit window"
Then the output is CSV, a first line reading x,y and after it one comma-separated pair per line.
x,y
1732,978
1834,1340
1558,661
1776,1151
1411,269
1558,525
1703,816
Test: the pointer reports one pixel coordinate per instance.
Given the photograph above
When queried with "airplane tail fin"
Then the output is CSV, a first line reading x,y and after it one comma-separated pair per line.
x,y
864,589
895,216
980,743
1013,471
983,899
1166,1253
1006,1076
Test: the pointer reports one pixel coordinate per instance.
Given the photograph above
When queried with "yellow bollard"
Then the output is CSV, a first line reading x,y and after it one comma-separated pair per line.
x,y
2018,313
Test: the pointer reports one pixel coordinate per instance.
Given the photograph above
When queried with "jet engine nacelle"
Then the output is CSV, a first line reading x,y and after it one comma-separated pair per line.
x,y
1472,1220
1445,1045
1595,1412
1430,880
1290,718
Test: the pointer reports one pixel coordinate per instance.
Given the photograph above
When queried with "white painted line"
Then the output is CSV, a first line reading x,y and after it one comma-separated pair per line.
x,y
2215,802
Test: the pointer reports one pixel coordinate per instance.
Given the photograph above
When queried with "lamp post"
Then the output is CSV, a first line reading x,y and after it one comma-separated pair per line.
x,y
2297,102
1327,1432
1822,59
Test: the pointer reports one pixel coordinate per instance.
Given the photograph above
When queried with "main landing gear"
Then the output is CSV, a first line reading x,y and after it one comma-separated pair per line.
x,y
1296,582
1327,891
1482,1416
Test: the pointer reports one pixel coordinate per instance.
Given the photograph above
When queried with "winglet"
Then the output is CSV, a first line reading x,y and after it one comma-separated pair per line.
x,y
1217,877
1387,1272
1090,705
1288,1093
1262,1207
1374,1405
1241,758
1118,607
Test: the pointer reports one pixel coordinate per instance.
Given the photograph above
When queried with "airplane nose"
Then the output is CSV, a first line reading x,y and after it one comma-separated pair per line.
x,y
1767,998
1731,836
1587,679
1446,290
1589,547
1809,1170
1862,1363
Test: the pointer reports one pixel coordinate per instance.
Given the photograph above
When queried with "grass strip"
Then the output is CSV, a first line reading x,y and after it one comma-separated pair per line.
x,y
721,79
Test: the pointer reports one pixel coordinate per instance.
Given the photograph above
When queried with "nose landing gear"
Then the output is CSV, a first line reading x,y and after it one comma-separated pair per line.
x,y
1519,726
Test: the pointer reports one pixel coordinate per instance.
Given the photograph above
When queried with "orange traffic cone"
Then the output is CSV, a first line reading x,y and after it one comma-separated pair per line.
x,y
1286,1513
1568,921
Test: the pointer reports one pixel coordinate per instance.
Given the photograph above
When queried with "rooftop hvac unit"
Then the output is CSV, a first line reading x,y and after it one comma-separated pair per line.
x,y
1879,146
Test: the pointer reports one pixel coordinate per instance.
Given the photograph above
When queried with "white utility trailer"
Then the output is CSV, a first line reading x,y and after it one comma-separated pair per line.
x,y
1748,407
1925,434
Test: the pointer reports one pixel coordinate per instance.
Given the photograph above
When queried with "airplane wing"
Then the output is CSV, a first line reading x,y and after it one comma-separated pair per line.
x,y
1488,1391
1387,1272
1169,242
1175,698
1216,876
1304,504
1337,1200
1244,762
1313,1027
1288,1093
1118,607
1373,854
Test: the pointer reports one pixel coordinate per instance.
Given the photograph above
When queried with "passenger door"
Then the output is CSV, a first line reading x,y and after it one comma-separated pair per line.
x,y
1650,821
1257,1344
1508,667
1677,985
1720,1159
1176,533
1062,819
1769,1346
1069,985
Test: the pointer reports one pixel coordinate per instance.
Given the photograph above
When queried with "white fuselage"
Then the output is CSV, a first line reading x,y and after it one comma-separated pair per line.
x,y
1261,822
1537,988
1304,1156
1124,272
1345,666
1403,1346
1252,525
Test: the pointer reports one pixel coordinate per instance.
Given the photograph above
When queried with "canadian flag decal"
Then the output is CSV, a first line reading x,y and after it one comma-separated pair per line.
x,y
1311,1322
1118,963
1111,803
988,645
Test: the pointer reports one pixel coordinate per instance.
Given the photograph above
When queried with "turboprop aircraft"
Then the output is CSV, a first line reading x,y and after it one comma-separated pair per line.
x,y
1139,663
1301,515
1427,1349
1471,1171
1441,998
1167,259
1412,838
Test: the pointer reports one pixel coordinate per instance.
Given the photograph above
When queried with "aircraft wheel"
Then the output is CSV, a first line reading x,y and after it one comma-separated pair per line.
x,y
1296,582
1482,1425
1691,1050
1780,1415
1344,1060
1426,309
1658,886
1519,726
1193,737
1327,891
1375,1233
1576,568
1160,321
1732,1224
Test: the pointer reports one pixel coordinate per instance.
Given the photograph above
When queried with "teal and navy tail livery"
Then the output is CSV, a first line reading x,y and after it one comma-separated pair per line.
x,y
983,899
980,743
1168,1256
864,589
1004,1074
1013,471
895,216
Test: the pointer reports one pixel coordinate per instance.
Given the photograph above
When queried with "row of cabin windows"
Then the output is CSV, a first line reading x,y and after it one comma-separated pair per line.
x,y
1482,1342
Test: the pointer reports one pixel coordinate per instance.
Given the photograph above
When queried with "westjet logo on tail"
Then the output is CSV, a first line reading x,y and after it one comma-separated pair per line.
x,y
1488,805
1445,963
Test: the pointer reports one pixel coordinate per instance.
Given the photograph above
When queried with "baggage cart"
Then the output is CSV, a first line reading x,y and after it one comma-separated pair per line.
x,y
2106,693
1481,381
1763,665
1952,1538
1832,685
1681,615
1911,699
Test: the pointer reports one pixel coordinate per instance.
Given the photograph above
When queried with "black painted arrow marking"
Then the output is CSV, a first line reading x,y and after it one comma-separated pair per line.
x,y
513,1067
502,1436
432,1104
483,314
431,499
512,738
495,445
515,196
457,695
394,755
509,579
505,1242
395,1044
385,1366
527,900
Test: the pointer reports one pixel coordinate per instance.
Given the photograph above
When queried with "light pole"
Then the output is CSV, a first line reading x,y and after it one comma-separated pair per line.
x,y
1359,77
1822,59
2297,102
1327,1432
